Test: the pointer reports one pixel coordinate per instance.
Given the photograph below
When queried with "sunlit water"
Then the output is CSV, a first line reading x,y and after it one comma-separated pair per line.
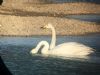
x,y
15,52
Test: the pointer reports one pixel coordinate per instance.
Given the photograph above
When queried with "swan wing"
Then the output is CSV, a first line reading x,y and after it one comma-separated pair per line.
x,y
71,48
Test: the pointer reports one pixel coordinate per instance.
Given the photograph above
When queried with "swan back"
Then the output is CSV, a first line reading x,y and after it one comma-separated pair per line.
x,y
72,49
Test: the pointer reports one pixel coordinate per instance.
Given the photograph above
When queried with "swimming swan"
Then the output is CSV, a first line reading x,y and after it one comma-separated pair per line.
x,y
65,49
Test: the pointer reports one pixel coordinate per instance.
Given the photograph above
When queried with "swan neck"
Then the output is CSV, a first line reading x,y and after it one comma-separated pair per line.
x,y
45,48
53,40
40,44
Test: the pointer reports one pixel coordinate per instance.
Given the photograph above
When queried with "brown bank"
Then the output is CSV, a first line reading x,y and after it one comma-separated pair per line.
x,y
27,20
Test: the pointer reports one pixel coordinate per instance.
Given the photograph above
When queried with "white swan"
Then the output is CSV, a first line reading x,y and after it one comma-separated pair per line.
x,y
72,49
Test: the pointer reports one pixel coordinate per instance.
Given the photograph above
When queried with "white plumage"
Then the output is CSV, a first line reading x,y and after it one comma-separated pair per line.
x,y
72,49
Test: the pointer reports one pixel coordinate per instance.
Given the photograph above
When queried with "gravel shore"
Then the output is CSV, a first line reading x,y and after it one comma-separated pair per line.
x,y
27,20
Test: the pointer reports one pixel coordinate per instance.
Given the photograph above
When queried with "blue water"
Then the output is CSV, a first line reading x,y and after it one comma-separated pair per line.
x,y
89,18
15,53
63,1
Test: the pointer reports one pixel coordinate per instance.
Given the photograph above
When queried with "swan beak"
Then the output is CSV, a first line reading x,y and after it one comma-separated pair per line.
x,y
32,53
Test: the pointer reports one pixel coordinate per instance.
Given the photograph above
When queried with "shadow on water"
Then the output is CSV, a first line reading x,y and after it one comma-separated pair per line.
x,y
90,18
68,1
15,53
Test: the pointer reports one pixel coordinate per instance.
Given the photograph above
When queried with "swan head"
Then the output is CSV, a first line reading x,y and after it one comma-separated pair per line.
x,y
48,26
33,51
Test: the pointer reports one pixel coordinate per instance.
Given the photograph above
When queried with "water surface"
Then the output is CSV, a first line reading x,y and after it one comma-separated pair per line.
x,y
89,18
63,1
15,52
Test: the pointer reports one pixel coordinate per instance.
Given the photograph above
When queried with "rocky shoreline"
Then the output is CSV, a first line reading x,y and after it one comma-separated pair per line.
x,y
27,20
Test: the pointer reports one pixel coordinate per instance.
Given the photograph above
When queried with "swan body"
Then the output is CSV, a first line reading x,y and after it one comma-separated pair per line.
x,y
66,49
71,48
